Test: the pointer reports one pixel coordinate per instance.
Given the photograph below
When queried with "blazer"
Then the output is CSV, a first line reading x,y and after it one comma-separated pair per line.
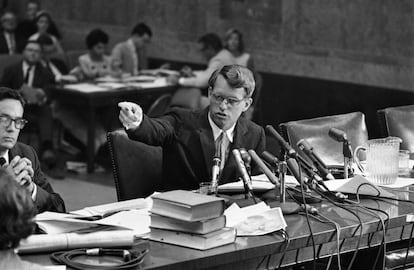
x,y
20,42
13,76
46,198
188,146
123,53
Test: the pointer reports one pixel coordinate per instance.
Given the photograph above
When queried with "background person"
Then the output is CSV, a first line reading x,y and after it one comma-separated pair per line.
x,y
27,26
11,42
193,82
190,139
20,158
16,221
130,56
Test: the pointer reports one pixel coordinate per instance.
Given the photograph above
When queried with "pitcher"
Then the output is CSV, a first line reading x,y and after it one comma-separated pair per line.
x,y
382,160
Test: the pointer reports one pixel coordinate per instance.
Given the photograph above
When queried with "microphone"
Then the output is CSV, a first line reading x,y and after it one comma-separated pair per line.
x,y
294,169
272,178
338,135
215,173
242,169
289,150
246,159
269,158
317,162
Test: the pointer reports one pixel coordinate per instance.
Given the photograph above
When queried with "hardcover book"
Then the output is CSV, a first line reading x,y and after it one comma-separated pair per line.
x,y
197,241
187,205
198,227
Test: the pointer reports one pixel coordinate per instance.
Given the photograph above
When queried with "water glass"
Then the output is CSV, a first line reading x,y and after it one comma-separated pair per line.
x,y
404,163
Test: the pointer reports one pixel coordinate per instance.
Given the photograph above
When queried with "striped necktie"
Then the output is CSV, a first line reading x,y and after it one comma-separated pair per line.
x,y
222,148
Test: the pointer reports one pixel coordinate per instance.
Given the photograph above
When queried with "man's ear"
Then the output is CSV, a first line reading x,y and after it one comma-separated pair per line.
x,y
247,103
210,91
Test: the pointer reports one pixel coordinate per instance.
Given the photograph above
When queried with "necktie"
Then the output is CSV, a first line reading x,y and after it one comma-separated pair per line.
x,y
222,148
27,76
2,161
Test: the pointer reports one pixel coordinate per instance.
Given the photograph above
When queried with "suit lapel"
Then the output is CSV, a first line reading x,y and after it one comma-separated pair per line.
x,y
206,139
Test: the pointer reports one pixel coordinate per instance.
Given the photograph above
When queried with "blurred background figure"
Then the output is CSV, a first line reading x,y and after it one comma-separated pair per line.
x,y
234,43
16,221
11,42
95,63
130,56
27,26
45,25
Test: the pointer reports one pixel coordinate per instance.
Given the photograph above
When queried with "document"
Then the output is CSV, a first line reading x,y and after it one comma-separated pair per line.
x,y
259,183
85,87
258,219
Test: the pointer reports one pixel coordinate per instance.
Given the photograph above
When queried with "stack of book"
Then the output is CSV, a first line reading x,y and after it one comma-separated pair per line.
x,y
190,219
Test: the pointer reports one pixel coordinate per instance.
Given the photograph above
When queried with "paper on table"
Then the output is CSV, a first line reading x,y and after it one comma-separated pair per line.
x,y
85,87
351,185
100,210
158,82
400,183
259,183
258,219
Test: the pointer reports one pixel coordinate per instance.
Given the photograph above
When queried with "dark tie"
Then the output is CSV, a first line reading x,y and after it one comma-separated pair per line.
x,y
222,148
26,77
2,161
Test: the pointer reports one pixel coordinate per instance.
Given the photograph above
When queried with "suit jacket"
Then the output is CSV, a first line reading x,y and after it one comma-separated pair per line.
x,y
46,198
13,76
188,146
10,260
19,42
123,53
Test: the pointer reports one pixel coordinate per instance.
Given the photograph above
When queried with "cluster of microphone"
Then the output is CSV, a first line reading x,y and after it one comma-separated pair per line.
x,y
315,170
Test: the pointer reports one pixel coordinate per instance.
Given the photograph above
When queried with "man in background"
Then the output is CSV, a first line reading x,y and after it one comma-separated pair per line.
x,y
11,42
20,159
27,26
194,83
130,55
191,139
32,79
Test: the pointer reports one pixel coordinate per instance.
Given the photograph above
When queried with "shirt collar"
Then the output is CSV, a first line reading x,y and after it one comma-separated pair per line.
x,y
6,156
217,131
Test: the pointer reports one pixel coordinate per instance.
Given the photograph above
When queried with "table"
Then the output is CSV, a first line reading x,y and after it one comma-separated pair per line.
x,y
248,252
91,101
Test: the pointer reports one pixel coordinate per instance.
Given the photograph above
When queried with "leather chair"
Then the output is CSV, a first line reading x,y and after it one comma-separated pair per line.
x,y
136,166
159,106
399,122
315,131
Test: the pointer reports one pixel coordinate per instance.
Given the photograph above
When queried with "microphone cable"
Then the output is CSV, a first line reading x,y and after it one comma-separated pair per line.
x,y
131,258
286,238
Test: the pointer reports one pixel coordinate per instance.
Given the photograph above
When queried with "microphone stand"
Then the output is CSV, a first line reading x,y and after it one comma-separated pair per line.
x,y
348,158
282,168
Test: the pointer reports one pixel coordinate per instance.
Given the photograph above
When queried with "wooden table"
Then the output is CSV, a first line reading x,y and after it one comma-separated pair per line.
x,y
248,252
91,101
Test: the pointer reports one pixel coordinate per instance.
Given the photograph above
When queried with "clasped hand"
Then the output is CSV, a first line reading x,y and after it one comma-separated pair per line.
x,y
130,114
22,169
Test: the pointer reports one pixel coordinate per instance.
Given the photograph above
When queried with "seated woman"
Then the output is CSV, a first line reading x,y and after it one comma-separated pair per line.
x,y
234,43
95,63
16,221
45,25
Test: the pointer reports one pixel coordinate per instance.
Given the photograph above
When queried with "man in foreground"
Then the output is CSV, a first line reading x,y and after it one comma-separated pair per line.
x,y
20,159
190,140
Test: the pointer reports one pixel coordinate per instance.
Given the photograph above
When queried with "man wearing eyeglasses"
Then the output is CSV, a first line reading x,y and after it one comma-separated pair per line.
x,y
21,159
190,140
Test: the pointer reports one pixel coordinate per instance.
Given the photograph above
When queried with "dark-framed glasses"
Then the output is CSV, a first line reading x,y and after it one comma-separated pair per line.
x,y
6,120
228,100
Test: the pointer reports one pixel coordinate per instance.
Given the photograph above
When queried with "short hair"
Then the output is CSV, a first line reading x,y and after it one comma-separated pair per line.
x,y
96,36
236,76
232,31
16,211
8,93
141,29
211,40
44,40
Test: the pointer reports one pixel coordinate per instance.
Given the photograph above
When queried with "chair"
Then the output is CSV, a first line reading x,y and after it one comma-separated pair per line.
x,y
159,106
399,122
136,166
315,131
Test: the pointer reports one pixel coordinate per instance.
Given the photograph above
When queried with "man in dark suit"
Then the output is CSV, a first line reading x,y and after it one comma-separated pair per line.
x,y
190,140
32,80
11,42
20,159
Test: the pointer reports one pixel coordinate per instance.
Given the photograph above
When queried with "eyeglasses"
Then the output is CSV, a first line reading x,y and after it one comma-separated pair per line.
x,y
229,101
19,123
